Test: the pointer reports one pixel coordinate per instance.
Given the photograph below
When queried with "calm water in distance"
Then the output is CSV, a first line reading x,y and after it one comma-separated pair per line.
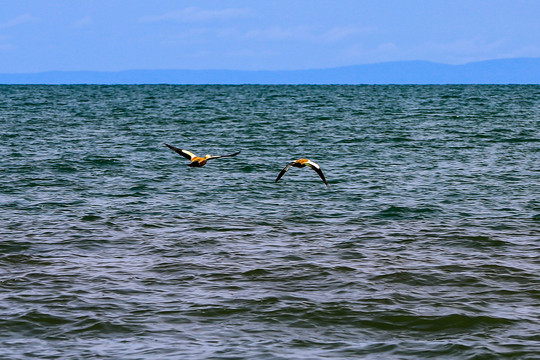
x,y
426,244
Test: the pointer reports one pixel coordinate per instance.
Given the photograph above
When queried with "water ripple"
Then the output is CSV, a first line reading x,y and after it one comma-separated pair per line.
x,y
424,246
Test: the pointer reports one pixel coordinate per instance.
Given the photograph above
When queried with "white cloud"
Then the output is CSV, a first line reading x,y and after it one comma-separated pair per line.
x,y
250,53
466,46
83,22
343,32
6,47
307,33
196,14
279,33
359,53
458,51
190,36
455,52
526,51
19,20
386,48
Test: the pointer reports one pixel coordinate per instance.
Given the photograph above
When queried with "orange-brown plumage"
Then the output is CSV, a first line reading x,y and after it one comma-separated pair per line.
x,y
300,163
197,161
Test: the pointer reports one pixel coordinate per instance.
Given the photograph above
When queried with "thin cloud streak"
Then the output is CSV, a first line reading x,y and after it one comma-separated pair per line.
x,y
195,14
83,22
308,33
19,20
278,33
6,47
345,32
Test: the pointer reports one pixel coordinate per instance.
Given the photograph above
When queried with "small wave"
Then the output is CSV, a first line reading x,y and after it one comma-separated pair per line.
x,y
65,168
14,259
215,311
404,212
101,327
36,323
256,273
91,217
102,161
482,241
309,315
520,140
436,323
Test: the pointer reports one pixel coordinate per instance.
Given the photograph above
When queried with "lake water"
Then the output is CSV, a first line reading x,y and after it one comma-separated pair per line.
x,y
425,245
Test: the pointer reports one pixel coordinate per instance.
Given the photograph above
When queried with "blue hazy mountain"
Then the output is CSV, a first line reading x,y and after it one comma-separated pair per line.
x,y
504,71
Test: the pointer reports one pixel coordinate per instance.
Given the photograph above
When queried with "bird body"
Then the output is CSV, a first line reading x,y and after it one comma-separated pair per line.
x,y
300,163
197,161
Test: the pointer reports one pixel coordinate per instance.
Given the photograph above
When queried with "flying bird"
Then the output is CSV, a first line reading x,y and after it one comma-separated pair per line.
x,y
197,161
300,163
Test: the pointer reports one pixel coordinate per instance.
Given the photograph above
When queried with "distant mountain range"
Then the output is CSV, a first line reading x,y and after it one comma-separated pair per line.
x,y
504,71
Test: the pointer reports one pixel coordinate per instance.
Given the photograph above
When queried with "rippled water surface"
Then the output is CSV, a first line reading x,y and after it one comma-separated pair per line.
x,y
425,245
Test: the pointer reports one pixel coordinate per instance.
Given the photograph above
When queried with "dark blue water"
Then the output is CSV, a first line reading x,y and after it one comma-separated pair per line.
x,y
425,245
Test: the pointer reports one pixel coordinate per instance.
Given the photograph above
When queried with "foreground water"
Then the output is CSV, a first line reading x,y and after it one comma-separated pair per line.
x,y
425,245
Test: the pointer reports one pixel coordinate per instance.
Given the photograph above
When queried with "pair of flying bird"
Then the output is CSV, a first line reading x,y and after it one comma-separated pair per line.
x,y
197,161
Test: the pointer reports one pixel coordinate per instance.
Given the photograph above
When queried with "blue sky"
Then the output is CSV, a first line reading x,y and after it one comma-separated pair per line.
x,y
111,35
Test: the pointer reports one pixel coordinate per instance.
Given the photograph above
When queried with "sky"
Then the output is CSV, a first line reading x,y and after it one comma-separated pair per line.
x,y
114,35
